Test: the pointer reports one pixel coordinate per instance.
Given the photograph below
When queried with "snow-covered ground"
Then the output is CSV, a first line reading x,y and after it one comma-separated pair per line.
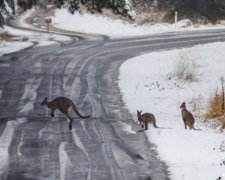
x,y
9,47
190,155
25,39
97,24
148,83
85,23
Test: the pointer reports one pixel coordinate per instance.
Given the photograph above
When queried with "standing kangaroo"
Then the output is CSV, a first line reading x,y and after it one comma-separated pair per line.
x,y
63,104
145,119
187,117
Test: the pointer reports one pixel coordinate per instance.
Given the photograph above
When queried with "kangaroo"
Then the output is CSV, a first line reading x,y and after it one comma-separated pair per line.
x,y
63,104
187,117
145,119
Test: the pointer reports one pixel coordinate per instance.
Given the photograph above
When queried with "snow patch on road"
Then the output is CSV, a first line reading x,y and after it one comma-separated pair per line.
x,y
46,43
4,65
64,161
0,94
124,126
22,137
5,142
29,96
78,142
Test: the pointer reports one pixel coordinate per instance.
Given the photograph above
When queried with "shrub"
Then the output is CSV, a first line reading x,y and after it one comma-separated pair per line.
x,y
5,36
185,68
216,107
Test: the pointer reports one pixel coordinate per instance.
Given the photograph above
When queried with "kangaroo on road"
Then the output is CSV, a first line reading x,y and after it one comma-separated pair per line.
x,y
187,117
63,104
145,119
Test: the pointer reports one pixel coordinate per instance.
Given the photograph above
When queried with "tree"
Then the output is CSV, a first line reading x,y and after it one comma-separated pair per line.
x,y
212,9
7,7
122,7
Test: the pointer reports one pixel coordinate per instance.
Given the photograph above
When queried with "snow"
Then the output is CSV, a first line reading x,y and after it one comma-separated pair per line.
x,y
9,47
97,24
80,145
154,88
189,154
24,38
29,96
64,161
5,141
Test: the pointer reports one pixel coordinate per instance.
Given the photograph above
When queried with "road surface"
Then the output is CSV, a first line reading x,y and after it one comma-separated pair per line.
x,y
35,146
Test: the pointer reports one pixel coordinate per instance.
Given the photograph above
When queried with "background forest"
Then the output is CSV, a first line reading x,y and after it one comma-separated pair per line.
x,y
211,10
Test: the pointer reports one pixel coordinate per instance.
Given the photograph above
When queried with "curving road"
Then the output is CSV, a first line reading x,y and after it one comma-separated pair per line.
x,y
35,146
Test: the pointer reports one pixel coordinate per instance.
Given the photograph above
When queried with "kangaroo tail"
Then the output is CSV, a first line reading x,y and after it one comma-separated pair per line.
x,y
77,112
155,126
154,123
197,129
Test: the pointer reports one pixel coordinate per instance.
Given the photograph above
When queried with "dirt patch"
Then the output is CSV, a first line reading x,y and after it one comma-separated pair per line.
x,y
5,36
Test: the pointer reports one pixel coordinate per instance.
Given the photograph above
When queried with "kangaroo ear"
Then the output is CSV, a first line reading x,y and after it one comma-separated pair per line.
x,y
182,105
44,101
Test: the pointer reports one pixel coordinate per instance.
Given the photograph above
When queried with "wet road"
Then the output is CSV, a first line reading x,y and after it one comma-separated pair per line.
x,y
35,146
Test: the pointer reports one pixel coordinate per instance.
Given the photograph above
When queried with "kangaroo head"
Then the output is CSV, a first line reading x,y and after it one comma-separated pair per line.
x,y
45,101
183,105
139,113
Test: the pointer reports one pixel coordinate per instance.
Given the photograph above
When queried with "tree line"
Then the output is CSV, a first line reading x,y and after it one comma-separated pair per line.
x,y
211,9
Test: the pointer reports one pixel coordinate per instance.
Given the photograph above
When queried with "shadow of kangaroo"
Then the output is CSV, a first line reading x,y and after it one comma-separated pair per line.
x,y
187,117
64,105
146,118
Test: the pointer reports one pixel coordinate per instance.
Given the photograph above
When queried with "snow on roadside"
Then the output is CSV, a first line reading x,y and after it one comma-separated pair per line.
x,y
10,47
33,36
25,38
97,24
147,84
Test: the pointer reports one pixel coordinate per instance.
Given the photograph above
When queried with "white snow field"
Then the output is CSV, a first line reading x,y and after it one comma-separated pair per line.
x,y
190,155
148,83
98,24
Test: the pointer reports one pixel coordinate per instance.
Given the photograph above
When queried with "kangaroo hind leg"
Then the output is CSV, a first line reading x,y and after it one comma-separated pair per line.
x,y
146,125
52,112
67,114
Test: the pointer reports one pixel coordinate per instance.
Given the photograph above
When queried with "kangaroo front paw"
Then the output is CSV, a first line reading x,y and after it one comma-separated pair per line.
x,y
52,115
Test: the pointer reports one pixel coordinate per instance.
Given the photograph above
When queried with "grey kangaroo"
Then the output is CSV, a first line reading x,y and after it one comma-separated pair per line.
x,y
145,119
63,104
187,117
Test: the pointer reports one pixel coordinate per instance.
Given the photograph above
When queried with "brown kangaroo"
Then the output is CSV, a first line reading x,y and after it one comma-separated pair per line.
x,y
63,104
145,119
187,117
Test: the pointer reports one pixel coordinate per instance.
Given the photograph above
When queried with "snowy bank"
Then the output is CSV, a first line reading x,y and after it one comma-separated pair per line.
x,y
24,39
98,24
10,47
190,154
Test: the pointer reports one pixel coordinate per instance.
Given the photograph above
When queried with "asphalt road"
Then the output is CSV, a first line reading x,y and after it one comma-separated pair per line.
x,y
35,146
